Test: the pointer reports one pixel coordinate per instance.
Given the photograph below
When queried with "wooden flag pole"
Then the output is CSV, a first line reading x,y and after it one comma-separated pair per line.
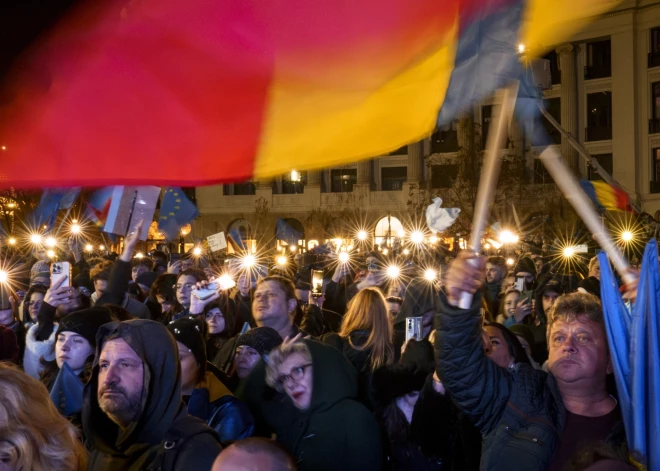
x,y
490,173
570,187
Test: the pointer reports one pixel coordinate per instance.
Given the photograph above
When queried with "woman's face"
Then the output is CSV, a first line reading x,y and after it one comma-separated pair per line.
x,y
510,303
215,320
34,304
499,350
72,349
295,376
245,360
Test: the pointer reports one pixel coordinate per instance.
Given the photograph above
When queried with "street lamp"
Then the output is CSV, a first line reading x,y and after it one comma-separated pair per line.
x,y
197,251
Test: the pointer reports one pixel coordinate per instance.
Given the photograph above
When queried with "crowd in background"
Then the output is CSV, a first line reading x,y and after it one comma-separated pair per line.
x,y
127,366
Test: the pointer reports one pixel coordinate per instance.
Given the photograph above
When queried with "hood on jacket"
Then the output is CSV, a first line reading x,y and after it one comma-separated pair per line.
x,y
161,397
334,380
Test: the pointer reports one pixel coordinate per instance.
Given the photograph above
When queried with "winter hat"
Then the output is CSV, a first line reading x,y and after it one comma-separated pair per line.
x,y
40,267
39,274
262,339
85,323
147,278
191,331
553,285
8,345
526,265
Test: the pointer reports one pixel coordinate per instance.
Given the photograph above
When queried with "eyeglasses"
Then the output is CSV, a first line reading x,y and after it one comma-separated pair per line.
x,y
186,287
211,314
36,304
296,375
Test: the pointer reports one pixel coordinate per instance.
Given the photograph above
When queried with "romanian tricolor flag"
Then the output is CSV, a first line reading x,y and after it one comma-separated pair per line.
x,y
194,92
607,197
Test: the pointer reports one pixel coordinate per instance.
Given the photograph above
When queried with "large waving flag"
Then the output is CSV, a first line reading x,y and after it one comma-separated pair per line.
x,y
287,233
52,200
174,92
176,210
607,197
634,338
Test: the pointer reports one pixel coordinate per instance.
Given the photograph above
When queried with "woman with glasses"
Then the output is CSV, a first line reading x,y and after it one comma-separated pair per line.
x,y
33,299
316,415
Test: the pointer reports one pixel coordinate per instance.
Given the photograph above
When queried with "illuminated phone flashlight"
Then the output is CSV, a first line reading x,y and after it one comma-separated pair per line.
x,y
401,233
101,247
393,271
89,247
4,276
362,235
430,274
75,228
433,239
226,281
51,253
510,261
139,255
627,236
569,252
197,251
51,242
417,237
282,261
292,248
406,252
344,257
249,261
385,251
12,241
35,238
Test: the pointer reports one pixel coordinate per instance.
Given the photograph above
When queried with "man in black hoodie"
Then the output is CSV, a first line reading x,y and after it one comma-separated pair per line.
x,y
133,415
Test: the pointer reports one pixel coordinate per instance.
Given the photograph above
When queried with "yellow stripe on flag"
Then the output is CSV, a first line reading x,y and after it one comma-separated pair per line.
x,y
333,126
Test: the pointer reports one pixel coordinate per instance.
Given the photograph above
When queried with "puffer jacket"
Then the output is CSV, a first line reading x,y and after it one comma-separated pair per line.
x,y
212,402
520,412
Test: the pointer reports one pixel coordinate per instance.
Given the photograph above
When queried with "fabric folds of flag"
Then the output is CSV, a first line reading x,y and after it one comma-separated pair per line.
x,y
236,239
176,210
251,89
287,233
634,340
52,200
607,197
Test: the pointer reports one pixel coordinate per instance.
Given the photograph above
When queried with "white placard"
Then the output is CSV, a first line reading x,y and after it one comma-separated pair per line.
x,y
217,241
582,248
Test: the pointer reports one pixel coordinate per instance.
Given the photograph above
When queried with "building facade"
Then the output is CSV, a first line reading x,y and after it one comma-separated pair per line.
x,y
605,92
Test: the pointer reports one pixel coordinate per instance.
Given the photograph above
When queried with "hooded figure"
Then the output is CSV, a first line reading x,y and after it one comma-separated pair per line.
x,y
335,432
163,435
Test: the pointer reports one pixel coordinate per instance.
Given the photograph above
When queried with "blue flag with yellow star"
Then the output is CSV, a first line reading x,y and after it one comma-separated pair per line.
x,y
176,210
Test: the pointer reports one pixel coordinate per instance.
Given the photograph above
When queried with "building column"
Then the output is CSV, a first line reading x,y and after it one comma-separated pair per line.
x,y
569,103
314,177
415,162
364,172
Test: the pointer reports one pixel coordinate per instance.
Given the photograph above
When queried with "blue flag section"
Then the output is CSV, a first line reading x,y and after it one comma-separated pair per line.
x,y
176,210
287,233
236,238
67,391
52,200
634,338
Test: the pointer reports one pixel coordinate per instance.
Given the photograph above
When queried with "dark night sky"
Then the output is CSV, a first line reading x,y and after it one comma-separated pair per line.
x,y
23,21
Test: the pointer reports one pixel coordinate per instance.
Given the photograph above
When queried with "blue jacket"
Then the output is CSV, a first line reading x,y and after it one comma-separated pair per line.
x,y
212,402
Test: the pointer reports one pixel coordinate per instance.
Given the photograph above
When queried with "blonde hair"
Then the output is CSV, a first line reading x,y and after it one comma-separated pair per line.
x,y
368,311
34,436
279,356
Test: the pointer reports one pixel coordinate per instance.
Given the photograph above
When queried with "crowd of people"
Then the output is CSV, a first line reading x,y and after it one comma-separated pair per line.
x,y
127,366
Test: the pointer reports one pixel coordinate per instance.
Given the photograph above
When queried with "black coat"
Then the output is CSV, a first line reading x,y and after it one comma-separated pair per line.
x,y
164,437
336,433
520,412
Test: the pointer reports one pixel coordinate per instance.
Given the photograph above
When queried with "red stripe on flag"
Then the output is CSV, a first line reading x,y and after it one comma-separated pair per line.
x,y
148,95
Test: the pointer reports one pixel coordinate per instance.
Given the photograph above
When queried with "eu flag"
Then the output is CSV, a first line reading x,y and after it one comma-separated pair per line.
x,y
634,339
53,199
287,233
176,210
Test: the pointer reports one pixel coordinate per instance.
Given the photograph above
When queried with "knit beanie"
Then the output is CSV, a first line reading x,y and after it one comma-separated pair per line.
x,y
85,323
8,345
39,274
147,278
526,265
190,331
262,339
